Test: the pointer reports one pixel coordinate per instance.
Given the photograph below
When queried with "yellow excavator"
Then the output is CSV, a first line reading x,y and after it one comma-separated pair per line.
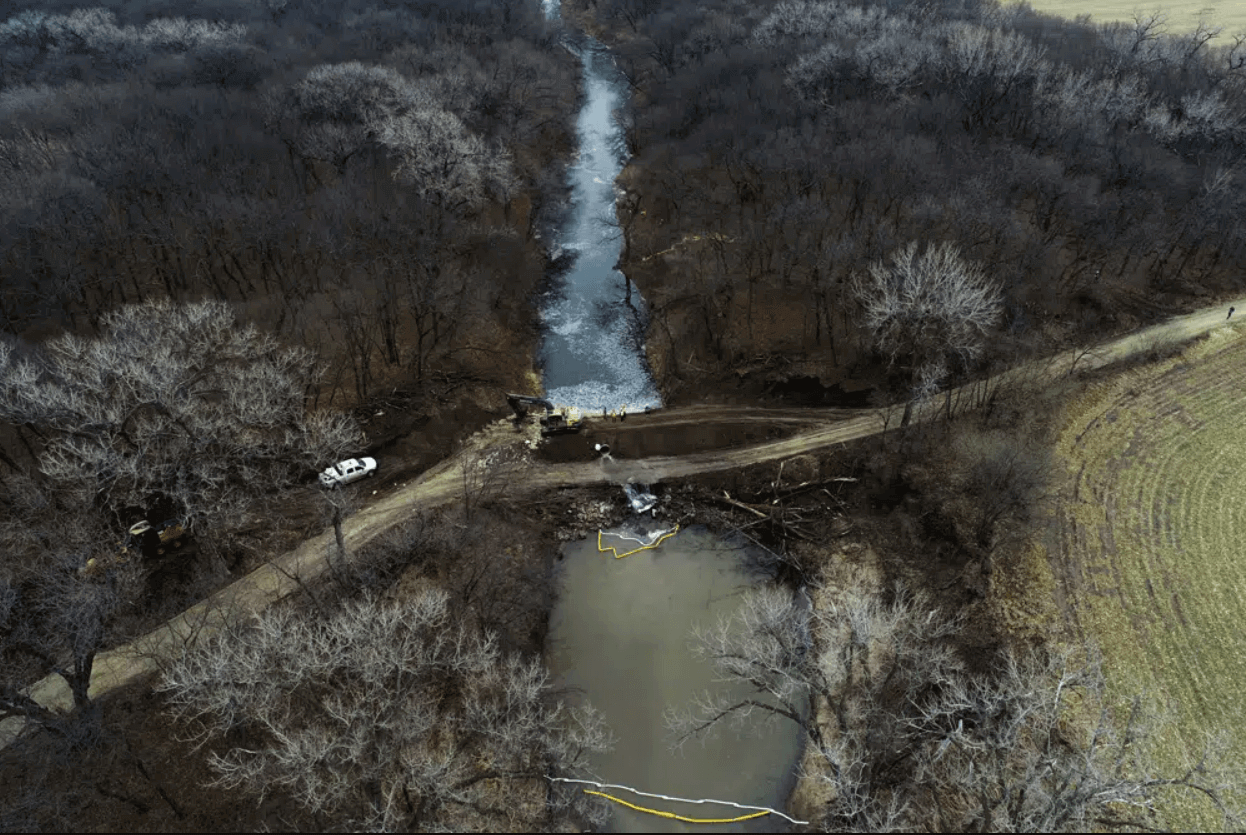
x,y
143,539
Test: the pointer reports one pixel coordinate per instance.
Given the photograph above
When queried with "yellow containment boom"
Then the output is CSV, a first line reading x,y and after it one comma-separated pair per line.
x,y
673,816
651,545
754,811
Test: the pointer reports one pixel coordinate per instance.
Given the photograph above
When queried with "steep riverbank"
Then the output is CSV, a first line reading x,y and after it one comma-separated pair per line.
x,y
779,362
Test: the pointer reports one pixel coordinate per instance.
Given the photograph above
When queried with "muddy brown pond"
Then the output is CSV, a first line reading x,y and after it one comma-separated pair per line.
x,y
619,636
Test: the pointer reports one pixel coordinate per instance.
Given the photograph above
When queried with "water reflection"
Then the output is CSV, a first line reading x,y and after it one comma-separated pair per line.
x,y
619,633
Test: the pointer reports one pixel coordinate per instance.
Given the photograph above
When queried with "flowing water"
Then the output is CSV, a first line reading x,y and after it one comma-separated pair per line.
x,y
591,355
620,630
619,635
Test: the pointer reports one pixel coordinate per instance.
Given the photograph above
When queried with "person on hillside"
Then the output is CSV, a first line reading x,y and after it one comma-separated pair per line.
x,y
1230,316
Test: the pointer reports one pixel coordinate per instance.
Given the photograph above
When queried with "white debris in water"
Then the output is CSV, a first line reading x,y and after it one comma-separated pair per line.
x,y
591,358
595,396
640,530
627,383
640,497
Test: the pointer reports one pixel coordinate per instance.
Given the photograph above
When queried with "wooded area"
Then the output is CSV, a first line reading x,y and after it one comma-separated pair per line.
x,y
893,197
230,230
781,149
366,182
225,228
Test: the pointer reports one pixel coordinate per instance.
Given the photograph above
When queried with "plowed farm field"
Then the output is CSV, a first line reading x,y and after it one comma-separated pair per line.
x,y
1150,561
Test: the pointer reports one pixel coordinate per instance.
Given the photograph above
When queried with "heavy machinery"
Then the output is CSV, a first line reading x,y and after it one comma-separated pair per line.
x,y
555,421
157,540
143,539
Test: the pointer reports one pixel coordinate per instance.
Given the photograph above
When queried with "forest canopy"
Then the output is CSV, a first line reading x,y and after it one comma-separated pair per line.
x,y
370,182
783,148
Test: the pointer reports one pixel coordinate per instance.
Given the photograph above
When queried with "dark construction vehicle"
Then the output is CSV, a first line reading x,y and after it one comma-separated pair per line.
x,y
555,421
157,540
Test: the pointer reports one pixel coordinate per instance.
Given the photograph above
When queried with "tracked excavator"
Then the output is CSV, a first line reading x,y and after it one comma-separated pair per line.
x,y
556,421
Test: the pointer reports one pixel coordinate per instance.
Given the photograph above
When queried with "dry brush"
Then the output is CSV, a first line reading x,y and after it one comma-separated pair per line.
x,y
386,715
907,736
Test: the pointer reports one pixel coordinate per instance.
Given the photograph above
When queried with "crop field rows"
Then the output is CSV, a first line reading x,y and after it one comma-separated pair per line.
x,y
1152,518
1182,16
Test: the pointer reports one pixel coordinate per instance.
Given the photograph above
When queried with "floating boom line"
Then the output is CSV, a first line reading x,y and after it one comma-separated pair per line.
x,y
755,811
653,544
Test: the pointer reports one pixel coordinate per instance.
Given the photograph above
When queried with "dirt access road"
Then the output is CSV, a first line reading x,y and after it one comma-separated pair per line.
x,y
500,455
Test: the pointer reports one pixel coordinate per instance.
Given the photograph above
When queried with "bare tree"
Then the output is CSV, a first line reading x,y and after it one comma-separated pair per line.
x,y
1038,747
55,616
876,656
989,483
178,403
440,157
864,46
928,312
335,111
95,33
1138,45
1006,480
798,20
989,67
340,110
908,739
1081,104
385,715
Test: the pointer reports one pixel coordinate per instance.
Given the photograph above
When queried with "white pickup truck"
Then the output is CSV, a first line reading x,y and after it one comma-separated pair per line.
x,y
344,472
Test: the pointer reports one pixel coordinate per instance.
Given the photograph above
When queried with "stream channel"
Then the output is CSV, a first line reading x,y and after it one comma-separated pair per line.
x,y
619,633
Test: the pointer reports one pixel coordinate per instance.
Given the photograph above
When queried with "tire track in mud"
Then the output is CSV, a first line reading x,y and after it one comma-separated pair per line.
x,y
511,464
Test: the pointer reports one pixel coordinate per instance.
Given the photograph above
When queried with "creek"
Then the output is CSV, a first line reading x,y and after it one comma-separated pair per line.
x,y
592,353
619,633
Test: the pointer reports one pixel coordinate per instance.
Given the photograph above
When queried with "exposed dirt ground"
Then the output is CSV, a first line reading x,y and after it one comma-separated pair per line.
x,y
499,456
